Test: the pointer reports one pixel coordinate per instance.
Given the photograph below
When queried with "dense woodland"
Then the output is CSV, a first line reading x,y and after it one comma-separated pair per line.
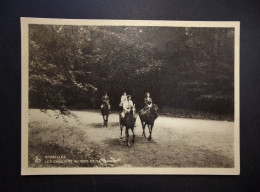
x,y
70,67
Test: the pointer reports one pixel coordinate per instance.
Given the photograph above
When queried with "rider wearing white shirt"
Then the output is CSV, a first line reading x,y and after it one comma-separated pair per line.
x,y
127,105
123,98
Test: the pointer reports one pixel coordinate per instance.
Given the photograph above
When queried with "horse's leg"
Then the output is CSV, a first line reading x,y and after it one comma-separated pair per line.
x,y
142,128
133,131
106,120
127,136
121,129
143,125
149,128
150,131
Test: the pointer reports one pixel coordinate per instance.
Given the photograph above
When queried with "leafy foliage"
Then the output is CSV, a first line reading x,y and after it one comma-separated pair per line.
x,y
71,66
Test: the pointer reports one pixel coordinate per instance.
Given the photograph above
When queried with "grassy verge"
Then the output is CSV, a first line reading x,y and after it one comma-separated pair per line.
x,y
54,147
194,114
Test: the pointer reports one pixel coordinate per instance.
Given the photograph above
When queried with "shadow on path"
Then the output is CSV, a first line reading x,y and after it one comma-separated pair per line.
x,y
96,125
101,125
139,140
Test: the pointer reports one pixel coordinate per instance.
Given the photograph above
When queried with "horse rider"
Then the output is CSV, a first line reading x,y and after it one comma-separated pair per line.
x,y
105,101
149,102
123,98
127,106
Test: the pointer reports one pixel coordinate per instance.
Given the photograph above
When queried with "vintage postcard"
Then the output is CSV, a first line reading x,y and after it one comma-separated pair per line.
x,y
130,97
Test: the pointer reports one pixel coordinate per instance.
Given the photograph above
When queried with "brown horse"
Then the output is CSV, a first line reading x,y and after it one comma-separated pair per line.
x,y
147,116
129,122
105,114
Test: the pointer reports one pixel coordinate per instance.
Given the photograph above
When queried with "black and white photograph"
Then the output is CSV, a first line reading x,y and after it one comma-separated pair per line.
x,y
130,97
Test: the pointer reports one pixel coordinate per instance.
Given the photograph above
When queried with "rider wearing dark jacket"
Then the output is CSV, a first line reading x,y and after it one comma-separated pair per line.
x,y
105,101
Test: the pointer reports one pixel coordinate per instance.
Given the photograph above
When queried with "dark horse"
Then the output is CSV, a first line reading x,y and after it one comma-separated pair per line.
x,y
105,113
129,123
147,116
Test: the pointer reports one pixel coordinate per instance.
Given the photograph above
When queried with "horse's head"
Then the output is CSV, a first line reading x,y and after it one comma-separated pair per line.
x,y
133,110
106,103
131,117
104,110
155,107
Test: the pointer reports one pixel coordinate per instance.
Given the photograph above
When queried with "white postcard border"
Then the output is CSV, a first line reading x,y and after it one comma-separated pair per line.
x,y
25,170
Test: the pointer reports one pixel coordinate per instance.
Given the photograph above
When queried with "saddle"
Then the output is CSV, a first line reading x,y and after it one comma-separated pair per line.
x,y
152,110
104,103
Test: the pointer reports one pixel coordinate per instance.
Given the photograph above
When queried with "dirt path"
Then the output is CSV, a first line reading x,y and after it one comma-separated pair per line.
x,y
176,142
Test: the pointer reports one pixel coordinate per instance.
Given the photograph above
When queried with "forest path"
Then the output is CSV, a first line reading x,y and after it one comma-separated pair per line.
x,y
176,142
